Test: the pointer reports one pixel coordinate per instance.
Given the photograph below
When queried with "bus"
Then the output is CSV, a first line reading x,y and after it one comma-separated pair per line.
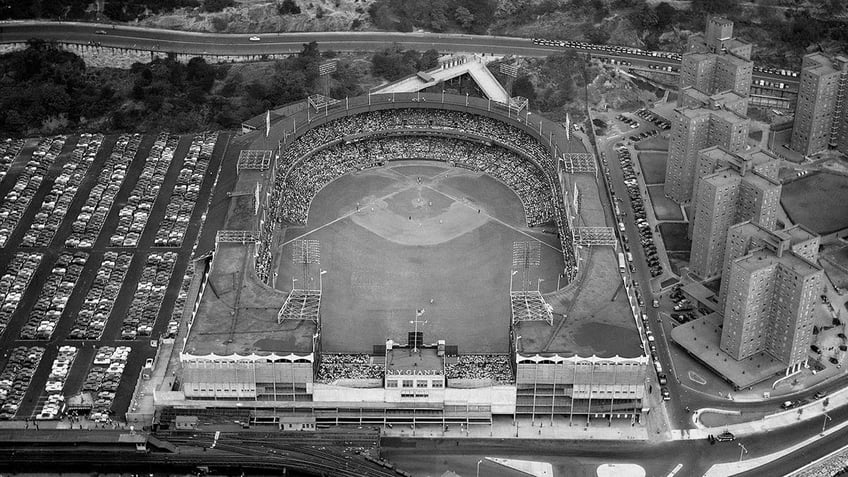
x,y
621,264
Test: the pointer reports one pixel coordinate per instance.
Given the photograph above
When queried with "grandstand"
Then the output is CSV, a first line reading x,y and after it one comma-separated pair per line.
x,y
288,343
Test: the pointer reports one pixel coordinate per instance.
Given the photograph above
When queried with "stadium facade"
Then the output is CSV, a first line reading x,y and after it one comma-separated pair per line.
x,y
252,350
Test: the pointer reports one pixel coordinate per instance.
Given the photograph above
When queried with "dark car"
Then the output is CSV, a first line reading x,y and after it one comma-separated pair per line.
x,y
725,437
663,379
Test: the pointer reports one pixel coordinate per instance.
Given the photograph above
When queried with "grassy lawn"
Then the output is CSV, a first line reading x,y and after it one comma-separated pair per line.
x,y
678,260
655,143
664,208
674,237
653,166
803,199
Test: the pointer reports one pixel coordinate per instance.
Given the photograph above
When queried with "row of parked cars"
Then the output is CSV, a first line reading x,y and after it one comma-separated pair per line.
x,y
658,121
93,214
643,135
628,121
179,304
149,294
646,235
16,376
27,182
134,214
47,311
55,204
9,150
103,379
55,400
14,283
94,313
173,226
607,48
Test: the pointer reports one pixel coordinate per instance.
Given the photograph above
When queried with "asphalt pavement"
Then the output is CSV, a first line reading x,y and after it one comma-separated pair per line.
x,y
141,347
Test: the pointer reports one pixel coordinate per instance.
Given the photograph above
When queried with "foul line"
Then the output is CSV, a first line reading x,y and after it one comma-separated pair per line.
x,y
342,217
495,219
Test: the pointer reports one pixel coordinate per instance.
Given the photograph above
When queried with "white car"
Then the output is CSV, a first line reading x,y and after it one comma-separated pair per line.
x,y
255,38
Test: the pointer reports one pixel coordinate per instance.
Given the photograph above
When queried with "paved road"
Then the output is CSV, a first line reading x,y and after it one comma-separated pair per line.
x,y
275,43
580,458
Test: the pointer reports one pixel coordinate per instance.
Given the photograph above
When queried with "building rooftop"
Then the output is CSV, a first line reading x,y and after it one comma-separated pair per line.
x,y
238,313
797,234
760,259
701,338
406,360
819,63
243,207
722,178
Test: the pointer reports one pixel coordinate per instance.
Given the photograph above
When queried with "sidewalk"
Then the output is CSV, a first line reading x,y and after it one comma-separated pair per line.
x,y
503,428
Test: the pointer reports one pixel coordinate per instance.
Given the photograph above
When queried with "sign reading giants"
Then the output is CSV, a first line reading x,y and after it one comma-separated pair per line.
x,y
413,372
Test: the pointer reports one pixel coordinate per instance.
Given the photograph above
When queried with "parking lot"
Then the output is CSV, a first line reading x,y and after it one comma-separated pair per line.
x,y
97,232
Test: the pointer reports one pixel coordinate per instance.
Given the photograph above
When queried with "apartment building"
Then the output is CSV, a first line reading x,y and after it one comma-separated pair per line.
x,y
821,116
732,195
771,294
696,128
747,236
715,80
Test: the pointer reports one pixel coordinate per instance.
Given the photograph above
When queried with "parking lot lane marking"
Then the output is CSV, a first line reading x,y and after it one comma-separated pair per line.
x,y
675,470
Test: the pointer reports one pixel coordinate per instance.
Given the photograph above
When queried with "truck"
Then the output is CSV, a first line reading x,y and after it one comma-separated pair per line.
x,y
621,262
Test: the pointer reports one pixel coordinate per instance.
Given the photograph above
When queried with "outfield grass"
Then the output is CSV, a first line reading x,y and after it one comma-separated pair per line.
x,y
653,166
664,208
411,243
803,200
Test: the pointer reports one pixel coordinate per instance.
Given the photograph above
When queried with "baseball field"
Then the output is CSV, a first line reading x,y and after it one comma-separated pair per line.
x,y
417,235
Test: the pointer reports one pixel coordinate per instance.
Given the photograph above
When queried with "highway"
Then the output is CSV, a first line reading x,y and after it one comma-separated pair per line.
x,y
120,36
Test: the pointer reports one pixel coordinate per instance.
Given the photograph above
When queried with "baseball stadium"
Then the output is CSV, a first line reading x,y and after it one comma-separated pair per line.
x,y
410,259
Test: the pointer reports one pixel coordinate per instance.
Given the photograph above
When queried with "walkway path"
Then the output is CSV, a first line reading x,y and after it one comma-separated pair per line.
x,y
474,66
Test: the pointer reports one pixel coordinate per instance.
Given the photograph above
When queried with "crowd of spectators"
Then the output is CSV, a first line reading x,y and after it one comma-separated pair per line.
x,y
356,142
481,366
347,366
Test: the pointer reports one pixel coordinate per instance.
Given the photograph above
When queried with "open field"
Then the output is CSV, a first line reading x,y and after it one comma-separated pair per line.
x,y
655,143
446,238
653,166
674,237
664,208
802,199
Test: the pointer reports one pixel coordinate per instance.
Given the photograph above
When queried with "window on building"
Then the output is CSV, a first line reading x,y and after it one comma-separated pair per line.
x,y
421,383
407,383
391,383
437,383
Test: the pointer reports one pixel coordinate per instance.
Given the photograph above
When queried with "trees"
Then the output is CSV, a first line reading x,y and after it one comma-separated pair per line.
x,y
429,60
524,87
217,5
596,35
464,17
713,6
288,7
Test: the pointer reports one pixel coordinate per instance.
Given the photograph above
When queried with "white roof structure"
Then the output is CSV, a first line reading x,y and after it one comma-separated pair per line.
x,y
474,66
